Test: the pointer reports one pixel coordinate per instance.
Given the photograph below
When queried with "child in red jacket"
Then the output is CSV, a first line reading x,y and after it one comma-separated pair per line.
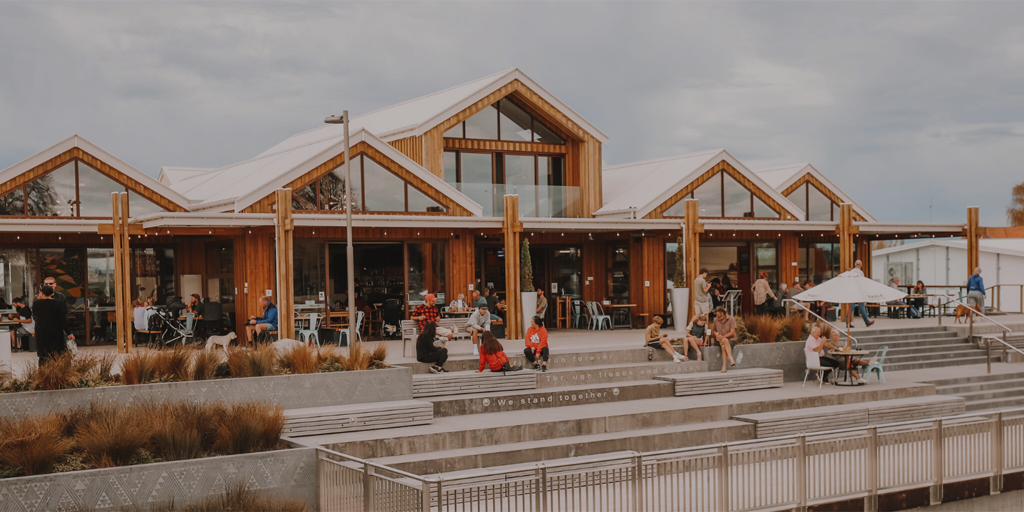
x,y
492,354
537,344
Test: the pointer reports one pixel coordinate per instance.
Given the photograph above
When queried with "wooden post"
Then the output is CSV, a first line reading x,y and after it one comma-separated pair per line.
x,y
127,315
846,232
511,227
119,297
973,236
285,226
692,229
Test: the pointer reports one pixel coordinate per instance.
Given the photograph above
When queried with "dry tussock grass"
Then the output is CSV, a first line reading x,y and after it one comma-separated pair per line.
x,y
767,328
258,362
139,367
184,430
301,358
239,499
204,365
58,372
174,362
358,357
33,445
113,436
249,427
795,327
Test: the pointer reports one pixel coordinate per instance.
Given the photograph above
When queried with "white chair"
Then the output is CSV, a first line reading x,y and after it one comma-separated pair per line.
x,y
814,364
359,323
312,330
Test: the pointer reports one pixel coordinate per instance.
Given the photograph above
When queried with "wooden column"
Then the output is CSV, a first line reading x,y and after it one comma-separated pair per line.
x,y
864,255
973,234
789,258
511,227
284,226
692,229
118,273
846,232
462,264
126,316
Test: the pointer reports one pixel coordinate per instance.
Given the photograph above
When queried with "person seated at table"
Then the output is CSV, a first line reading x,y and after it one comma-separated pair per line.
x,y
151,310
459,303
653,338
266,322
724,331
492,303
716,293
922,295
492,354
479,323
26,325
911,310
361,304
139,315
501,308
195,305
536,350
429,351
854,362
696,335
428,312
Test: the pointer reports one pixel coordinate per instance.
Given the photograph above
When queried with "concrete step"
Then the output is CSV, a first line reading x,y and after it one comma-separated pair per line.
x,y
995,403
561,377
558,359
873,338
527,400
900,350
971,386
988,394
933,356
976,379
912,344
871,331
651,439
895,367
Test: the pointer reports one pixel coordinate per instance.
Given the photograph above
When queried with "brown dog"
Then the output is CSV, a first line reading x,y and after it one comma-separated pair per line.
x,y
963,311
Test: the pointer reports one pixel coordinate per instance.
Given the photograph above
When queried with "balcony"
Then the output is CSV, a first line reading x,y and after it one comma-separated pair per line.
x,y
545,201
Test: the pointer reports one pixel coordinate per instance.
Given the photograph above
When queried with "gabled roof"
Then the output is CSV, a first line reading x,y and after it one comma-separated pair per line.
x,y
646,185
1008,246
781,178
171,175
415,117
237,186
77,141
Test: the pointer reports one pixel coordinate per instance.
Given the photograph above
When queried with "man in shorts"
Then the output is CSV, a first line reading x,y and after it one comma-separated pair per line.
x,y
701,306
653,338
428,312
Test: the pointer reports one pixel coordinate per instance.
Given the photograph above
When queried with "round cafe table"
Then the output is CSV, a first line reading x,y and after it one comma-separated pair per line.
x,y
845,359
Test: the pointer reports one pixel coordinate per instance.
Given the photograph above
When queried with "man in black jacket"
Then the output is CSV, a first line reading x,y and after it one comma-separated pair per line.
x,y
52,326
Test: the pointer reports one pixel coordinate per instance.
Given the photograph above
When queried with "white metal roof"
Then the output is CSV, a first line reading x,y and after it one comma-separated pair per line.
x,y
782,177
1008,246
169,175
77,141
647,184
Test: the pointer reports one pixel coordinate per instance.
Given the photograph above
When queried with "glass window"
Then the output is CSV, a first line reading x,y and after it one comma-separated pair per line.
x,y
737,198
676,210
478,180
152,273
483,124
53,194
220,273
520,178
451,168
765,257
542,133
835,212
819,262
13,204
383,191
763,211
709,196
17,274
567,267
427,268
67,267
799,197
309,279
332,188
618,274
94,189
819,207
513,122
551,199
139,206
455,132
420,202
305,198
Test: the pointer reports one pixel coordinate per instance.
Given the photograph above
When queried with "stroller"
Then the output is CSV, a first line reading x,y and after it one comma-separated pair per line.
x,y
392,316
172,329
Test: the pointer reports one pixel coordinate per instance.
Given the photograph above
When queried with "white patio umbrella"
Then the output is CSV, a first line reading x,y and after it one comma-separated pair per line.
x,y
850,288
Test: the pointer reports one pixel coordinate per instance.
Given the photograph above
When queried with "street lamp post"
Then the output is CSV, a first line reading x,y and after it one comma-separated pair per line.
x,y
343,120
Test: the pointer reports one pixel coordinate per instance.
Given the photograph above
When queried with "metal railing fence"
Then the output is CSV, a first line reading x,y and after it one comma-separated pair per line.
x,y
790,471
853,342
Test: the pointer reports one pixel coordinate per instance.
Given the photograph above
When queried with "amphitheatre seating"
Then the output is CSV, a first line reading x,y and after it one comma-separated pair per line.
x,y
411,330
353,418
461,383
815,419
703,383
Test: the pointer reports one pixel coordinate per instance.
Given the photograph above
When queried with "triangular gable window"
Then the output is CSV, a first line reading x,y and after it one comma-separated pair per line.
x,y
375,189
504,120
723,196
74,189
816,205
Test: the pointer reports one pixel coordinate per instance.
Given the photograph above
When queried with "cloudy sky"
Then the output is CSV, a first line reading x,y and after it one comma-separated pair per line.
x,y
915,109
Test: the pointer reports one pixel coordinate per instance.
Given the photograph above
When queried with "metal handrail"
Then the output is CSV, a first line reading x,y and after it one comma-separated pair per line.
x,y
979,313
834,326
372,464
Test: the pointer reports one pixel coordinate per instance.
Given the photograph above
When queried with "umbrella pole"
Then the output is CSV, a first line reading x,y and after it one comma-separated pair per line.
x,y
849,311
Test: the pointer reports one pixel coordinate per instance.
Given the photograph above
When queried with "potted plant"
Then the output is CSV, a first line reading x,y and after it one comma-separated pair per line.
x,y
527,291
680,292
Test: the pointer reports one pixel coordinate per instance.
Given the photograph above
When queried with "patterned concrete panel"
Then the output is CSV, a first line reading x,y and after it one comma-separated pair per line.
x,y
282,474
291,391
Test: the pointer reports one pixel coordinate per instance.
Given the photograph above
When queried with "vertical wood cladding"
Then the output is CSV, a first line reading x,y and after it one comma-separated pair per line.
x,y
411,147
789,246
461,263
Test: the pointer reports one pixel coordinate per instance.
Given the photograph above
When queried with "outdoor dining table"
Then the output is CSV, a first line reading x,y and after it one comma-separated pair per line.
x,y
621,310
845,359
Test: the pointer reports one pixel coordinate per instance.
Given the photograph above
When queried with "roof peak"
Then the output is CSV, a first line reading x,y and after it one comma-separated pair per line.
x,y
664,159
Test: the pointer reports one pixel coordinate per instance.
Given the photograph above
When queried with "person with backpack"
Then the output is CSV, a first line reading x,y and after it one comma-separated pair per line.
x,y
492,354
428,349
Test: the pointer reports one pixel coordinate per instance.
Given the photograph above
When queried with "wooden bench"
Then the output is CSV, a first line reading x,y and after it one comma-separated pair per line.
x,y
815,419
462,383
703,383
411,331
354,418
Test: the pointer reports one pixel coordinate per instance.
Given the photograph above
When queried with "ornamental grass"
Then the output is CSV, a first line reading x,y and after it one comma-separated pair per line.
x,y
113,436
32,446
139,367
204,365
173,363
247,362
301,358
249,427
238,499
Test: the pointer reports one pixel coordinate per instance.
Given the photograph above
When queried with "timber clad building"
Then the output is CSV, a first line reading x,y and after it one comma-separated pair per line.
x,y
429,180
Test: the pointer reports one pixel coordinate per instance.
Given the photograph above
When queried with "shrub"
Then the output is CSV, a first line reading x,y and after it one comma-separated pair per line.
x,y
767,328
239,499
139,367
57,372
174,362
794,328
300,359
85,363
106,364
204,366
259,362
249,427
111,436
379,353
331,360
33,445
184,430
358,357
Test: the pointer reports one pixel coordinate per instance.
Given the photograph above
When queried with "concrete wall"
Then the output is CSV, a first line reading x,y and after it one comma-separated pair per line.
x,y
787,356
1005,502
282,474
291,391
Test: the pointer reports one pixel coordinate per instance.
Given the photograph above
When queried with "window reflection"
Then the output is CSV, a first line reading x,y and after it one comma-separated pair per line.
x,y
507,121
382,190
53,194
420,202
737,198
513,122
483,124
94,191
13,204
139,206
819,207
764,211
305,198
709,197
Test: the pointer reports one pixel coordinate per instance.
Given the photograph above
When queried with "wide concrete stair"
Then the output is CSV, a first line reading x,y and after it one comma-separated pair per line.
x,y
987,392
920,347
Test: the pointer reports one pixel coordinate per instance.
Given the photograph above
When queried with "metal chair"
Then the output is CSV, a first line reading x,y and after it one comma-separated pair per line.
x,y
597,316
312,330
814,365
343,335
577,312
875,365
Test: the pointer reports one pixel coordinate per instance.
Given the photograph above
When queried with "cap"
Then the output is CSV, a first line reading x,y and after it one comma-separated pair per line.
x,y
430,296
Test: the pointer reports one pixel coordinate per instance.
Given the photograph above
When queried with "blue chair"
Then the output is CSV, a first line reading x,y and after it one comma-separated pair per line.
x,y
190,323
359,324
876,366
577,313
312,330
597,316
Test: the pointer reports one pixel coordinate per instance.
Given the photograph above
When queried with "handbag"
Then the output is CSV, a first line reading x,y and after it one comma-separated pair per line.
x,y
509,368
72,347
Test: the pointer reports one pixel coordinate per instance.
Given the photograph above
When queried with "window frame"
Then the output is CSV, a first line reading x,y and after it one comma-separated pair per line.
x,y
807,201
362,192
721,189
533,132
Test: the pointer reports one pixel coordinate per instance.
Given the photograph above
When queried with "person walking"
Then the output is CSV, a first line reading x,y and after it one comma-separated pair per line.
x,y
724,331
762,290
428,351
859,271
701,286
53,328
976,291
536,350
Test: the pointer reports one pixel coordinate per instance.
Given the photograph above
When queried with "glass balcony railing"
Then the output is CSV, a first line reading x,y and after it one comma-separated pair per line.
x,y
549,201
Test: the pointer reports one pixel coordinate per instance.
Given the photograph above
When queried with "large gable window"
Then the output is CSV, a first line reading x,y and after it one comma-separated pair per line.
x,y
374,189
723,196
504,120
74,189
538,179
816,205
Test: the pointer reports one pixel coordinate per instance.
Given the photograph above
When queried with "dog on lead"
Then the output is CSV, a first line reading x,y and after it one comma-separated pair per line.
x,y
223,341
963,311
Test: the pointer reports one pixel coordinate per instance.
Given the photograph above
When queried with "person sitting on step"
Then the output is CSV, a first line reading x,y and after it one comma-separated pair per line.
x,y
654,339
696,335
430,350
536,350
492,354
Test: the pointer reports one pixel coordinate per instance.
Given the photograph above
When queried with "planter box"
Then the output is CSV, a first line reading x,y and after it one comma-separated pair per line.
x,y
291,391
787,356
280,474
